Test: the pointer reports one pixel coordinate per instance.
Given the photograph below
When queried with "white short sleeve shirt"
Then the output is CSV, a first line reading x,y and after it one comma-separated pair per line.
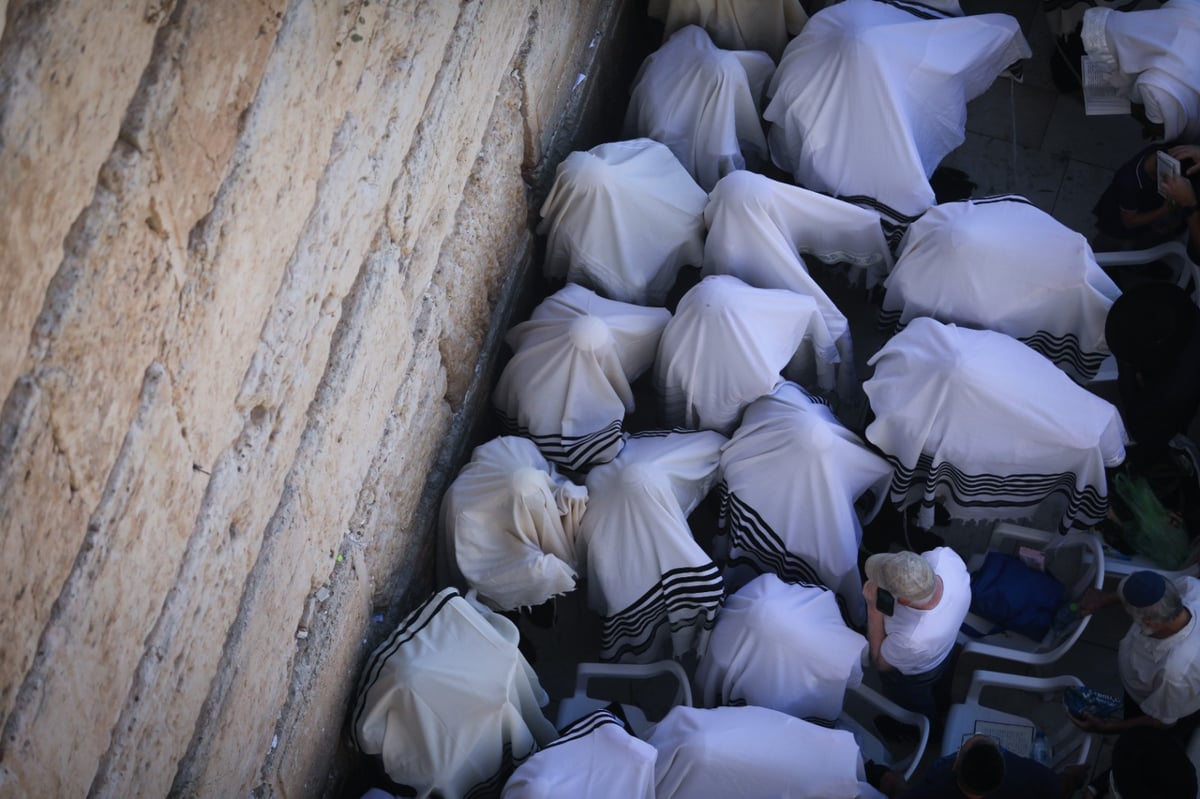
x,y
1163,674
917,640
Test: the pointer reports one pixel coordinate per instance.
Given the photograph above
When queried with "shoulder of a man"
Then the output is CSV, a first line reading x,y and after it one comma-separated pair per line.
x,y
1029,779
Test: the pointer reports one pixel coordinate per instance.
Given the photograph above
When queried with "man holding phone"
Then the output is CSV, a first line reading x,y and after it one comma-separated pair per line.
x,y
915,605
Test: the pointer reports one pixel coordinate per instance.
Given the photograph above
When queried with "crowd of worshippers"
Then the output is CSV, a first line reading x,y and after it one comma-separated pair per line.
x,y
768,149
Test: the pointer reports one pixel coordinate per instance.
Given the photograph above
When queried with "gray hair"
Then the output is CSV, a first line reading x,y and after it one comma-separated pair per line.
x,y
1162,611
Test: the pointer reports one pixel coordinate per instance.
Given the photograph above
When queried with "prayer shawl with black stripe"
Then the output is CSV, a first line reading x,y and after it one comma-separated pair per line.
x,y
792,474
703,103
727,345
1002,264
508,526
871,96
754,753
448,703
978,422
622,218
783,646
567,386
655,588
594,758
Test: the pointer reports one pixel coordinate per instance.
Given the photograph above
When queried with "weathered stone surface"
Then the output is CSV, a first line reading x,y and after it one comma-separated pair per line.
x,y
249,331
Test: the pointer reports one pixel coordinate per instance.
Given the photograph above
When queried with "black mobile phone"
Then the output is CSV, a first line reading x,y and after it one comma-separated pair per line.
x,y
885,603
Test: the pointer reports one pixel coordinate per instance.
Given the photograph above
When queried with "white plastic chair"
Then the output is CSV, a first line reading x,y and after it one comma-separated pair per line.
x,y
1076,560
861,706
1187,273
581,703
1068,744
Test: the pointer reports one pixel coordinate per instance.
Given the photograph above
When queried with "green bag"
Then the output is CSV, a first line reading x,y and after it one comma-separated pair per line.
x,y
1154,532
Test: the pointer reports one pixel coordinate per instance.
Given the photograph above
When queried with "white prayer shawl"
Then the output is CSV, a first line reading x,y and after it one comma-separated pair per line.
x,y
448,702
791,475
981,423
754,753
735,24
1158,49
727,345
782,646
1002,264
567,386
622,218
656,590
871,96
509,523
758,228
702,102
594,758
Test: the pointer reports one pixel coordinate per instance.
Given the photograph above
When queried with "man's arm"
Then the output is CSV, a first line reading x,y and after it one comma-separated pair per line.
x,y
1181,194
875,631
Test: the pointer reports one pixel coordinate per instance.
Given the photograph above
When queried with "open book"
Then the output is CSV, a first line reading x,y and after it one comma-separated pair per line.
x,y
1016,738
1104,89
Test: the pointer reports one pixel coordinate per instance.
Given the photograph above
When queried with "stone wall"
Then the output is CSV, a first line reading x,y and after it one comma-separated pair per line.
x,y
256,257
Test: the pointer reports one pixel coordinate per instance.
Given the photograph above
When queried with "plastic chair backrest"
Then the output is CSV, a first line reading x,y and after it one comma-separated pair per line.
x,y
1175,252
873,747
581,702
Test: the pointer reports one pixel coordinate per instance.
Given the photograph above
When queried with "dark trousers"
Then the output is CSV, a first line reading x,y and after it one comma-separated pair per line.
x,y
927,693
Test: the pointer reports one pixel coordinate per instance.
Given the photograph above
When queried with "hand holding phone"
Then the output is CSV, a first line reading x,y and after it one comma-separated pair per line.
x,y
885,603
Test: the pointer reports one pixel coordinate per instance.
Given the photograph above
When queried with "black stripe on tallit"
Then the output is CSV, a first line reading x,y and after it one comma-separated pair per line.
x,y
573,452
634,630
492,787
1066,352
919,10
1084,508
413,623
584,727
764,549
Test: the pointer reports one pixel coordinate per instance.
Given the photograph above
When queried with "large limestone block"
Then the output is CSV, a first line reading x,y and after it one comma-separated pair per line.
x,y
67,73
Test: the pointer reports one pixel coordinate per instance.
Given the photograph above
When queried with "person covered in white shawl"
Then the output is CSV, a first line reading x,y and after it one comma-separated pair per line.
x,y
871,96
622,218
594,758
703,103
792,478
754,753
783,646
1003,264
508,526
980,423
1154,56
567,386
656,590
728,344
735,24
759,230
448,703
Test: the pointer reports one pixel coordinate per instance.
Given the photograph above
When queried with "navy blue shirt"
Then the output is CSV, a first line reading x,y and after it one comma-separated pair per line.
x,y
1023,779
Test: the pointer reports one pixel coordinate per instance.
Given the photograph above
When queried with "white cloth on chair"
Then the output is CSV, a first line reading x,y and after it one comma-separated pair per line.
x,y
735,24
594,758
977,421
567,386
509,525
783,646
754,753
1159,48
758,228
655,588
727,345
871,96
1003,264
622,218
702,102
791,475
448,702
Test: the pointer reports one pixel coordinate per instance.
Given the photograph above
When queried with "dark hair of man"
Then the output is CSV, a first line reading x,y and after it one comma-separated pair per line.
x,y
979,769
1148,763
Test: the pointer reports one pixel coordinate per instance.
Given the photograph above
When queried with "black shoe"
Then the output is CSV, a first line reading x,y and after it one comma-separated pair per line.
x,y
897,731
